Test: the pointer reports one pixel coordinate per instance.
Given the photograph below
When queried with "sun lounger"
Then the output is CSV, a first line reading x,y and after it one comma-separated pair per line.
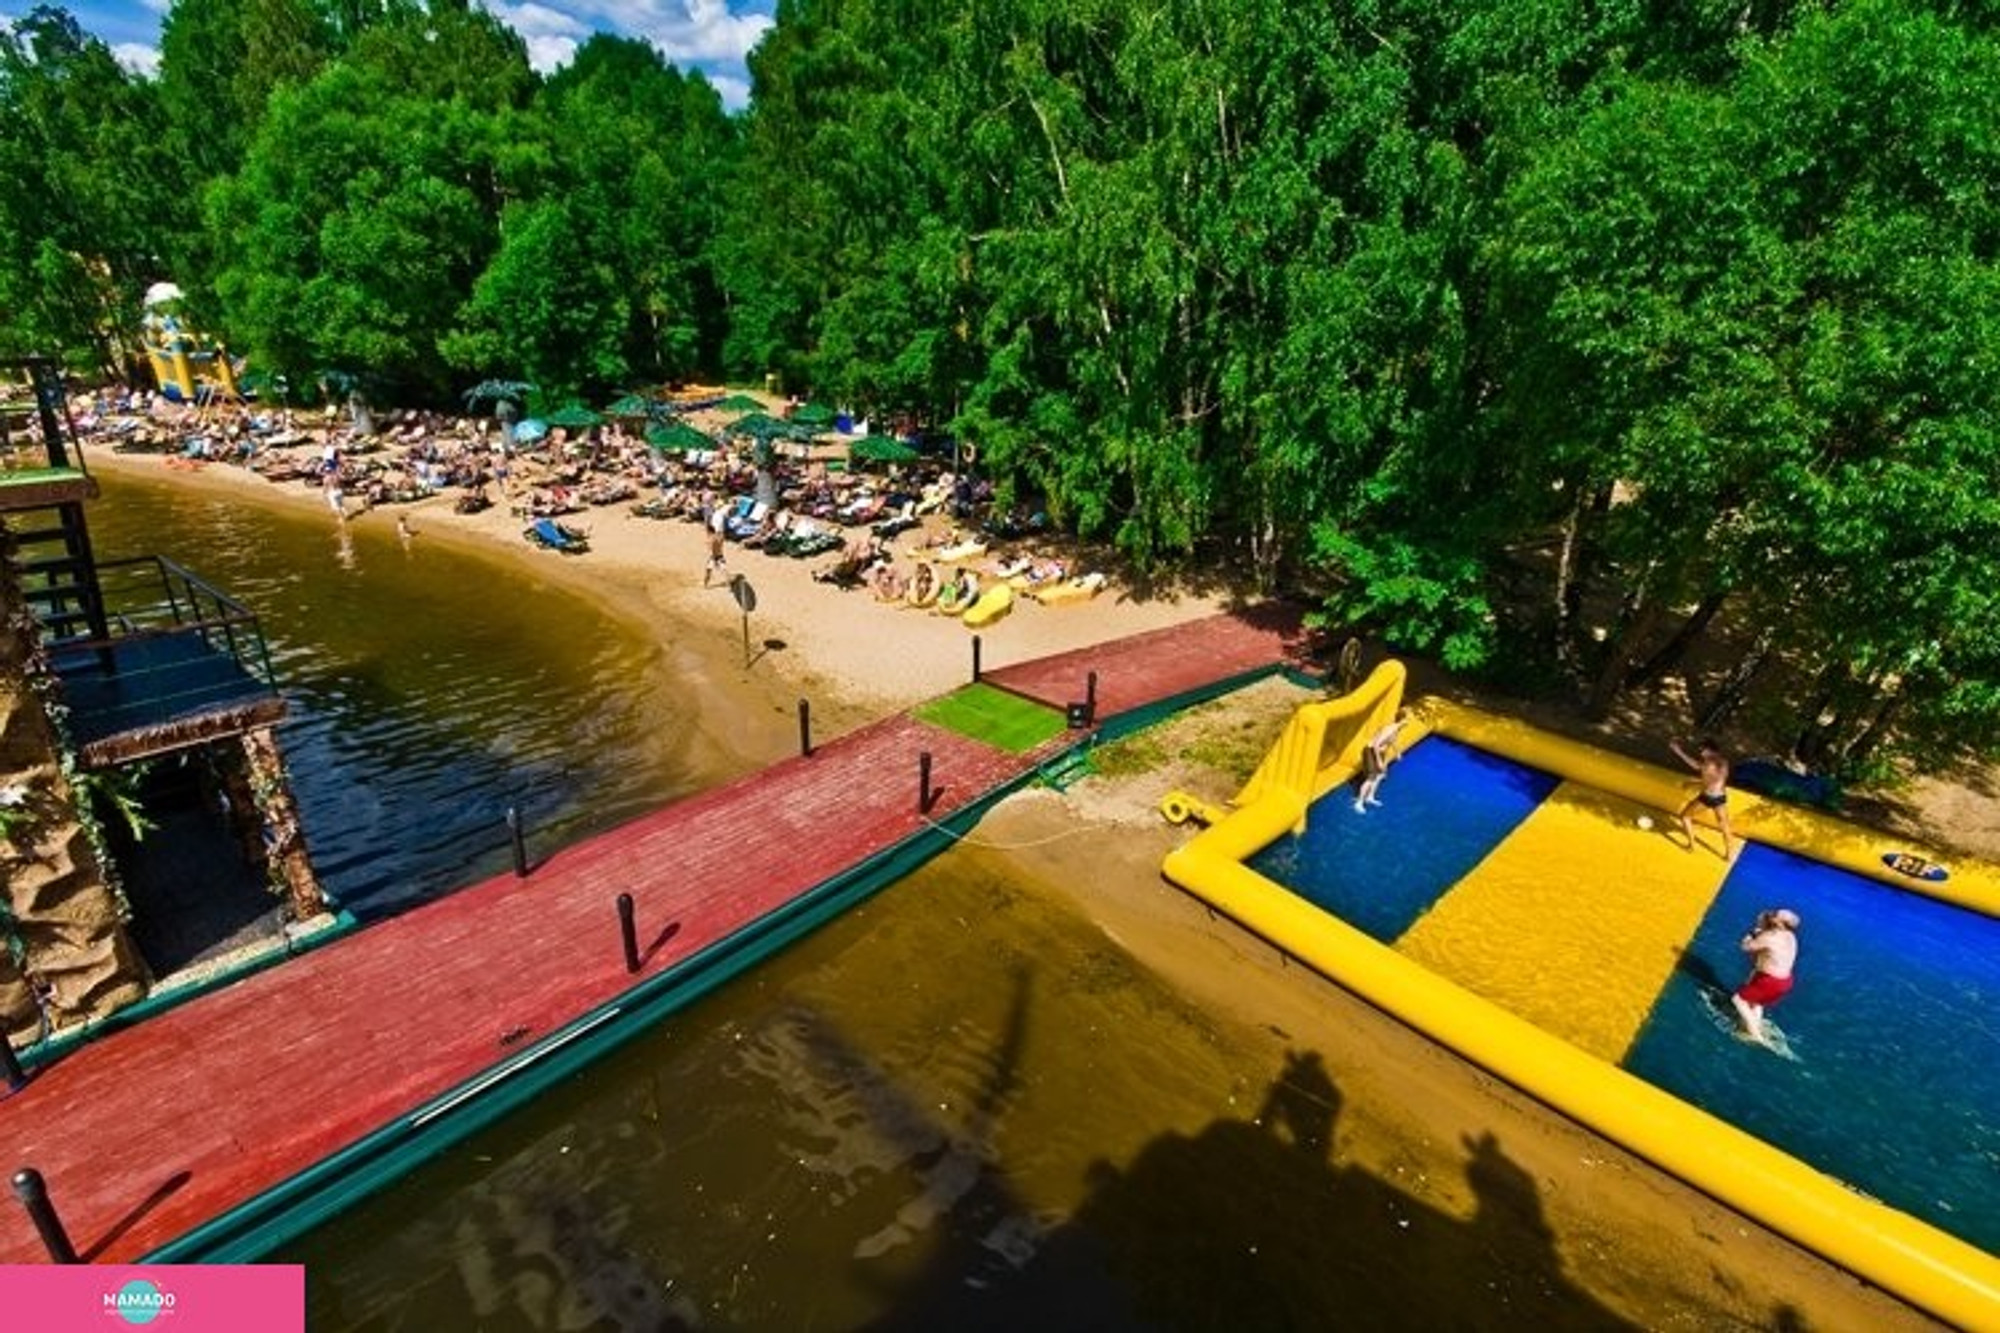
x,y
1069,591
554,536
966,550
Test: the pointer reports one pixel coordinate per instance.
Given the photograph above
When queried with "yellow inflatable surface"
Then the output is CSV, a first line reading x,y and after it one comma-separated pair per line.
x,y
1488,1019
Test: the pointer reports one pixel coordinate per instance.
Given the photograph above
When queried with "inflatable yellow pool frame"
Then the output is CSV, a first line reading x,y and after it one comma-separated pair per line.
x,y
1321,749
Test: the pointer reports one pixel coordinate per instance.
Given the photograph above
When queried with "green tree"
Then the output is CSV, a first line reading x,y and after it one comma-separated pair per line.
x,y
644,156
370,199
92,201
549,306
220,60
1760,307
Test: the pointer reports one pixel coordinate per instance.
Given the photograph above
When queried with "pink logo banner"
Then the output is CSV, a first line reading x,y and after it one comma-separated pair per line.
x,y
165,1298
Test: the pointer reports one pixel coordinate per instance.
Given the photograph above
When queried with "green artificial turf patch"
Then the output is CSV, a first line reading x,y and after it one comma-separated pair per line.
x,y
1002,720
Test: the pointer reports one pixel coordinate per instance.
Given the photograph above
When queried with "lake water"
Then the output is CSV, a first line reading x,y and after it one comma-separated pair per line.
x,y
429,690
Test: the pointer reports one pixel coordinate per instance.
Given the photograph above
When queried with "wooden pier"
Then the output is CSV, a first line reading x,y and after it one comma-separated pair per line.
x,y
155,1129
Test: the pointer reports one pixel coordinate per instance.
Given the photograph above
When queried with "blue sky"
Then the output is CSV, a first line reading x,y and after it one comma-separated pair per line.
x,y
712,36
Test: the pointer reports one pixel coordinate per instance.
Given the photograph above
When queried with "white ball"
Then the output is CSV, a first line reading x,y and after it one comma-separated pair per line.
x,y
1646,822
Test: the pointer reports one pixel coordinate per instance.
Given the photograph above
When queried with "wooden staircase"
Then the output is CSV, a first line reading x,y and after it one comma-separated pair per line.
x,y
43,489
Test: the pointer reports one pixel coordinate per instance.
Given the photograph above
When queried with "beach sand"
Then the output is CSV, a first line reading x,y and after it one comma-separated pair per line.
x,y
1640,1243
852,657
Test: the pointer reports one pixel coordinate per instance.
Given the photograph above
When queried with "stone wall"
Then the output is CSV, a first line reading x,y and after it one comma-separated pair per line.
x,y
60,924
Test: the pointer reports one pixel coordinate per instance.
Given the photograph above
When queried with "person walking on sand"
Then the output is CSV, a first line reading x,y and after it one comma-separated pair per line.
x,y
718,523
1383,749
1713,766
1773,944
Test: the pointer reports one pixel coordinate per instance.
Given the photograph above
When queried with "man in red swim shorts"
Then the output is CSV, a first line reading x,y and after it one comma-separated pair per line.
x,y
1774,946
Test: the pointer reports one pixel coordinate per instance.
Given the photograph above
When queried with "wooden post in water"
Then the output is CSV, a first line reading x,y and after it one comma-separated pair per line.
x,y
520,842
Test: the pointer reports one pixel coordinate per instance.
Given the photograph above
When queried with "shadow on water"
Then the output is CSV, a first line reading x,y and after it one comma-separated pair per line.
x,y
1255,1224
1702,972
783,1159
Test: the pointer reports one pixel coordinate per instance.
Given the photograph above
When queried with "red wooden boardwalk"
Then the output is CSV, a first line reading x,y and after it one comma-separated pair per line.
x,y
1164,664
152,1130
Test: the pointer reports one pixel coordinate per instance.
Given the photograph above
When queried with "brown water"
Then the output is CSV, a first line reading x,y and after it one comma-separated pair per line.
x,y
429,690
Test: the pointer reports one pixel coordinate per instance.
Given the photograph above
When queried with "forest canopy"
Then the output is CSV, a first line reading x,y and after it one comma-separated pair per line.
x,y
1560,340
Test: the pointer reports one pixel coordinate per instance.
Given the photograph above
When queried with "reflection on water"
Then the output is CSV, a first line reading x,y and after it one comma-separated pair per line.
x,y
957,1107
429,690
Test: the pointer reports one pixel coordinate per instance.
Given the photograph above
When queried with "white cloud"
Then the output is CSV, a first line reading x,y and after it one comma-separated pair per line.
x,y
685,30
158,6
550,35
735,92
533,20
705,34
545,53
138,57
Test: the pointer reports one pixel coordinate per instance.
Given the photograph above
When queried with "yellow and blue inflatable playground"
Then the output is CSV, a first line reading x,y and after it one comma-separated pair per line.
x,y
1530,902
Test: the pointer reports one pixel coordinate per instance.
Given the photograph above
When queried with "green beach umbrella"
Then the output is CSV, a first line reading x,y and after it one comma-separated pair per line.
x,y
738,402
813,414
499,391
762,425
573,416
881,449
680,437
631,405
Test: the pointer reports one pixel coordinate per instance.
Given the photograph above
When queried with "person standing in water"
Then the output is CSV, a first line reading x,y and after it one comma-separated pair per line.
x,y
1773,944
1383,749
1713,767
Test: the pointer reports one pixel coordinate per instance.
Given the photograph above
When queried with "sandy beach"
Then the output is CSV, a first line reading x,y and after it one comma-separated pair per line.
x,y
853,657
1646,1248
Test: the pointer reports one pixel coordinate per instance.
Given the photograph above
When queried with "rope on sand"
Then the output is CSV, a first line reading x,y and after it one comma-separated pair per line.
x,y
967,840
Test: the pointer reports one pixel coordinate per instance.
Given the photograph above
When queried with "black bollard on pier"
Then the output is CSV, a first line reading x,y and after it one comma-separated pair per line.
x,y
628,927
975,659
924,793
33,1193
520,842
1090,697
805,729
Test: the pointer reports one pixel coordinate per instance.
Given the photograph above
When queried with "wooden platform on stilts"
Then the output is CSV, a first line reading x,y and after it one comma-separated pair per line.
x,y
155,1129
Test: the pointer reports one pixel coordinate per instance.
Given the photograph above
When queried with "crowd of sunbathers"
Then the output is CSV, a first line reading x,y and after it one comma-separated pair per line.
x,y
793,507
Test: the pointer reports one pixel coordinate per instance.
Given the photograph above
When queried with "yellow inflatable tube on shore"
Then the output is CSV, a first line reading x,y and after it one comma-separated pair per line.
x,y
1933,1271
